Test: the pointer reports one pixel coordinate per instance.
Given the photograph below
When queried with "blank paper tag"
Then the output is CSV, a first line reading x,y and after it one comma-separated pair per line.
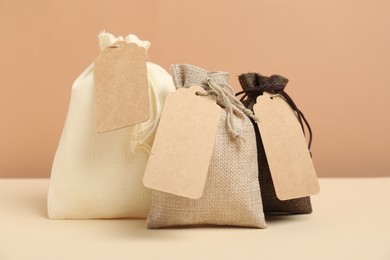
x,y
289,159
183,145
121,87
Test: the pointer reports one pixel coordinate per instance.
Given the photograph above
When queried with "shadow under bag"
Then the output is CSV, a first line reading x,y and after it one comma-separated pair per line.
x,y
231,195
271,204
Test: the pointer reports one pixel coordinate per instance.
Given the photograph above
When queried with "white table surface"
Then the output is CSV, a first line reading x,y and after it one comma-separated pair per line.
x,y
351,220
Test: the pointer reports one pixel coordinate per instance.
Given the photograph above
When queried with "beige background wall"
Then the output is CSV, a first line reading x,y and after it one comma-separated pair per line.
x,y
335,53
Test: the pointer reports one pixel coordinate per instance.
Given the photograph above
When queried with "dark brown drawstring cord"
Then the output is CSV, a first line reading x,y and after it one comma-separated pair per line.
x,y
253,93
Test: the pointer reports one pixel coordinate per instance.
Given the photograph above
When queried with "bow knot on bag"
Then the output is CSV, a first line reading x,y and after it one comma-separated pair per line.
x,y
224,95
255,84
214,83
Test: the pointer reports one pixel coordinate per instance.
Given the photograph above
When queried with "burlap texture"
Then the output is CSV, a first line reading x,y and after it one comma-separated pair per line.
x,y
271,204
232,194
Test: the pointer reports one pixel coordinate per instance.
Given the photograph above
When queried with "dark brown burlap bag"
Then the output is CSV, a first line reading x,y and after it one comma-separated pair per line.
x,y
271,204
232,194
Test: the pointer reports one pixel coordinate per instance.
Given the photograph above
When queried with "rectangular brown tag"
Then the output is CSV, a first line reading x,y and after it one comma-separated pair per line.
x,y
184,142
121,87
288,156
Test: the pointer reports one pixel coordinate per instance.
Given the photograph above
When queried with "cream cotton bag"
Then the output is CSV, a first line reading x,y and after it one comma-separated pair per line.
x,y
100,175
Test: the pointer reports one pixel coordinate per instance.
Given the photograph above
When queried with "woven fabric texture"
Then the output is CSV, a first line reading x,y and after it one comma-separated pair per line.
x,y
100,175
271,204
231,195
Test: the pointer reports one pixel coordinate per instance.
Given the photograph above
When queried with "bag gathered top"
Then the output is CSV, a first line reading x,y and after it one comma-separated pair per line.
x,y
231,194
253,85
99,175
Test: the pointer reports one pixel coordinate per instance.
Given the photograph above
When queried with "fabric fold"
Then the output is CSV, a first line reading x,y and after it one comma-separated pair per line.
x,y
106,39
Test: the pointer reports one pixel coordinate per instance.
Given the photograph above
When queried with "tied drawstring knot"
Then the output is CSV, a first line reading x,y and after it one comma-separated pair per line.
x,y
275,85
224,95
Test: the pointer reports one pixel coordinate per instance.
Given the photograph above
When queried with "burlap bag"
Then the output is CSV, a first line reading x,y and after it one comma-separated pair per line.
x,y
100,175
231,195
271,204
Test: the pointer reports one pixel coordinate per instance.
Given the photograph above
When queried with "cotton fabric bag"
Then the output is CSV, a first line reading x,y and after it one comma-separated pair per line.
x,y
100,175
271,204
232,194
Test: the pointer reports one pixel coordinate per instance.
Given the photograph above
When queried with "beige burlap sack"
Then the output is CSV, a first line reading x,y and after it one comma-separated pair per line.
x,y
232,194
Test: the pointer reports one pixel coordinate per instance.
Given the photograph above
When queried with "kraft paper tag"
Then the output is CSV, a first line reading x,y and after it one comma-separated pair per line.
x,y
121,87
184,142
288,156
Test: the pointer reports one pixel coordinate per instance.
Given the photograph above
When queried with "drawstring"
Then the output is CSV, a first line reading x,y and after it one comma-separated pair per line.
x,y
225,97
279,90
139,135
